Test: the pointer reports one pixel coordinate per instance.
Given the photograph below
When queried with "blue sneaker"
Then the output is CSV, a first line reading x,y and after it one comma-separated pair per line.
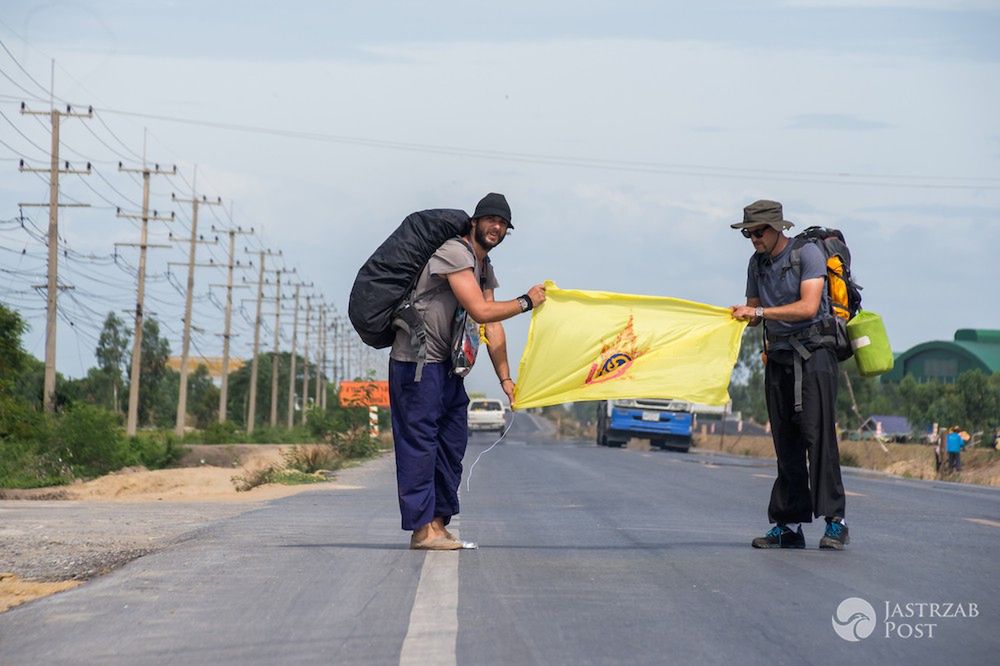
x,y
780,536
836,535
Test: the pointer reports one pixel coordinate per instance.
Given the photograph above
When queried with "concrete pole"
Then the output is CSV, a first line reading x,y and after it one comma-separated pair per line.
x,y
291,369
224,389
49,389
252,409
319,357
305,364
274,355
186,342
132,422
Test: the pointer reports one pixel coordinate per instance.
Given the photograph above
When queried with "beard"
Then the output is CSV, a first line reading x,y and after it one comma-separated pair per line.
x,y
483,240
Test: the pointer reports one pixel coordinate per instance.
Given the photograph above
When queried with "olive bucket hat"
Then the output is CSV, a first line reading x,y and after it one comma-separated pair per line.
x,y
763,212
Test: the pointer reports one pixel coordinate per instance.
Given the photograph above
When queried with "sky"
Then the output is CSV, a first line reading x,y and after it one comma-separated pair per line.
x,y
625,135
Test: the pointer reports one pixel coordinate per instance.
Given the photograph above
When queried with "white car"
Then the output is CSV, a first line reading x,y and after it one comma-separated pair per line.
x,y
487,415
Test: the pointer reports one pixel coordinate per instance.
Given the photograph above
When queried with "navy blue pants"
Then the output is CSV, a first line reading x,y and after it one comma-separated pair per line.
x,y
430,430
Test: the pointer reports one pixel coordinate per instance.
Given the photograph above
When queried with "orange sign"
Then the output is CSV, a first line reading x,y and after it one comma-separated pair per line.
x,y
364,394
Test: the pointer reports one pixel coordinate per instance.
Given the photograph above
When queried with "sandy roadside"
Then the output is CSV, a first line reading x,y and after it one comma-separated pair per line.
x,y
52,539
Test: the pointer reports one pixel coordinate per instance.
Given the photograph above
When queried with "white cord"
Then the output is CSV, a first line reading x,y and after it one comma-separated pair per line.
x,y
468,479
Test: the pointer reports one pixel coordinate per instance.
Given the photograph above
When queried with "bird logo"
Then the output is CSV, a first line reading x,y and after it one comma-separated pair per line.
x,y
854,620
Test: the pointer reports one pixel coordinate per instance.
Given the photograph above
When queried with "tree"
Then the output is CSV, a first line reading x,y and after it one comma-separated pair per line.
x,y
746,389
12,357
239,389
203,397
153,365
112,354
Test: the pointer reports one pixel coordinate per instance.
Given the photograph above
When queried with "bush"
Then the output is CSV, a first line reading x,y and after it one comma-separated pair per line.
x,y
89,440
355,443
251,478
20,422
220,433
156,449
24,465
312,458
293,477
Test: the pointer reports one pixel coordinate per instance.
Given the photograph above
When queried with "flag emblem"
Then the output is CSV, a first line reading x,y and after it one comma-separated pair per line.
x,y
616,357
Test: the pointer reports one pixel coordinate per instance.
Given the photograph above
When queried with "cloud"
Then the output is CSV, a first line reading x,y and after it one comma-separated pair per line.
x,y
835,121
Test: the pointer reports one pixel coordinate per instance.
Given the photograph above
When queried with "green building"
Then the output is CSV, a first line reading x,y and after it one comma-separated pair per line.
x,y
972,349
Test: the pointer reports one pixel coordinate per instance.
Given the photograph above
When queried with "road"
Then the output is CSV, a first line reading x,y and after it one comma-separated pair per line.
x,y
588,556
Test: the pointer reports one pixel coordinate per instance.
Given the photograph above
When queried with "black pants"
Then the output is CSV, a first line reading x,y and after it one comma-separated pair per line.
x,y
955,460
803,490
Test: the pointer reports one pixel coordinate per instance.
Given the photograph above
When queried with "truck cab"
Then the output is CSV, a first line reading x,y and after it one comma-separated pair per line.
x,y
665,423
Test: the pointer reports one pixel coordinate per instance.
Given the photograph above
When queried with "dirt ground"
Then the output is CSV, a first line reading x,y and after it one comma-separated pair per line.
x,y
52,539
914,461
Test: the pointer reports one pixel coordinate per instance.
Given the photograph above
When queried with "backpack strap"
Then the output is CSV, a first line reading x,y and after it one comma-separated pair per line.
x,y
408,319
815,337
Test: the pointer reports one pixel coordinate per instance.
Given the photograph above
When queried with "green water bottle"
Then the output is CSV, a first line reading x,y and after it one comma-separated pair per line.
x,y
870,343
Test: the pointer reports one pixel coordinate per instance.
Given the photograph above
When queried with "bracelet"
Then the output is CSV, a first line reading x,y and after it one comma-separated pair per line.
x,y
505,379
525,302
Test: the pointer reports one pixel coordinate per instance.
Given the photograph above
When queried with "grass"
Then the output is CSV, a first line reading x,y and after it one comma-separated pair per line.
x,y
293,477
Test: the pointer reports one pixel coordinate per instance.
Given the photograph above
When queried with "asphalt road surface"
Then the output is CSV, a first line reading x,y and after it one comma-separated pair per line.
x,y
587,556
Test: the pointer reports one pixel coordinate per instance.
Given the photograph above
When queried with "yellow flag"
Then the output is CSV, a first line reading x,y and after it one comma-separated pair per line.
x,y
598,345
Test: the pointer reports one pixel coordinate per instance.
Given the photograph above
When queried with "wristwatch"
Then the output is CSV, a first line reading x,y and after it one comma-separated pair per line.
x,y
524,303
759,312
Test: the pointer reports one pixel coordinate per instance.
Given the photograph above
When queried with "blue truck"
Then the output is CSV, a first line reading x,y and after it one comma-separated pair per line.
x,y
665,423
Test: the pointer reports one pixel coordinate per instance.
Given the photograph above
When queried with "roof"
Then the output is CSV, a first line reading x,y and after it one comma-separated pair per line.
x,y
980,347
890,425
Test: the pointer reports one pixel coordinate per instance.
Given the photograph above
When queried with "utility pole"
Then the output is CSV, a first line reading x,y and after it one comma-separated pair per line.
x,y
326,342
252,407
334,367
319,353
186,344
274,353
291,369
52,285
305,362
231,264
132,421
277,347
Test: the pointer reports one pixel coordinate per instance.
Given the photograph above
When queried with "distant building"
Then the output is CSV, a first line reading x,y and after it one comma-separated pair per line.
x,y
944,361
213,363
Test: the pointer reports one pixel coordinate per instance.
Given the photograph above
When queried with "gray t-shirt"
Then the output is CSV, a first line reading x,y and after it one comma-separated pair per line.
x,y
436,302
775,282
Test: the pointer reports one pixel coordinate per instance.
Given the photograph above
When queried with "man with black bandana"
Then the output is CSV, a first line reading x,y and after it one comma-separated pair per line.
x,y
429,417
788,294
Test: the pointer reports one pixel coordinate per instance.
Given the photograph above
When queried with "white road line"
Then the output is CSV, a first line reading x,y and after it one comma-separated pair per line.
x,y
433,632
984,521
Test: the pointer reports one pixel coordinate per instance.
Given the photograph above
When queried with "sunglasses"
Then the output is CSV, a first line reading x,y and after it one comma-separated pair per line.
x,y
756,233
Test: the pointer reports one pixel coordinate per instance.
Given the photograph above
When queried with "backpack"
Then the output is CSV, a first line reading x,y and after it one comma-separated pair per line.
x,y
843,296
843,293
379,301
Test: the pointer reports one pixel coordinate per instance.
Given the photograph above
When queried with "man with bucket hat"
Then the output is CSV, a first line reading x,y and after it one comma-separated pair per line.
x,y
429,417
788,295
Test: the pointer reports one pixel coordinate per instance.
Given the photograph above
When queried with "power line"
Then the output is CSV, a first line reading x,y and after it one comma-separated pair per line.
x,y
586,162
21,67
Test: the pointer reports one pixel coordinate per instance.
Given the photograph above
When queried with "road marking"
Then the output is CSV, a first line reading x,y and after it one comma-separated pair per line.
x,y
984,521
433,632
850,494
764,476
